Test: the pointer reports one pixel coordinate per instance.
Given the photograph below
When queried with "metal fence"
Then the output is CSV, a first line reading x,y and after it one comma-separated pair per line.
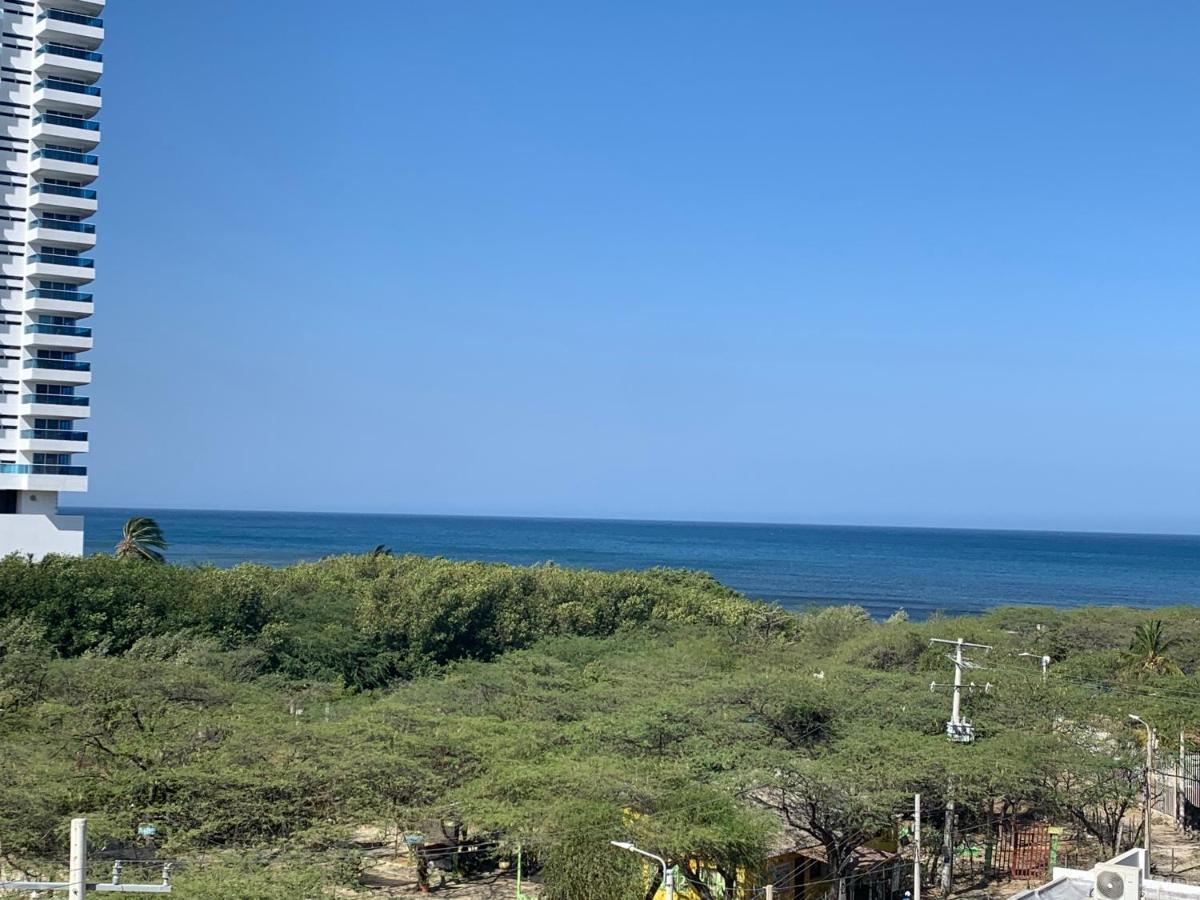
x,y
1175,787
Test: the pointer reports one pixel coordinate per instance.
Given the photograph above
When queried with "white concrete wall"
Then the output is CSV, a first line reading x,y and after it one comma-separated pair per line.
x,y
40,535
37,503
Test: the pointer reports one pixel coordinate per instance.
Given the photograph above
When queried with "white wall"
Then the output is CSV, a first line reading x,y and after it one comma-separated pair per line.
x,y
43,503
40,535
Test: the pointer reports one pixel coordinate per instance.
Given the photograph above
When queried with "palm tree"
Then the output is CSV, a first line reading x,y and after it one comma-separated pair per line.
x,y
1147,653
141,538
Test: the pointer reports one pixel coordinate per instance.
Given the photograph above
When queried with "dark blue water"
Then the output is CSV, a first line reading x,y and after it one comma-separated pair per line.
x,y
921,570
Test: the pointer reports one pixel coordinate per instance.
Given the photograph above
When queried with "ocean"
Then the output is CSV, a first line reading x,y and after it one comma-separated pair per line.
x,y
883,569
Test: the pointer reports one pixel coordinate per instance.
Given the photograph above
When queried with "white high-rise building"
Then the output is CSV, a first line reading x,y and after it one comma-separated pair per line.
x,y
49,67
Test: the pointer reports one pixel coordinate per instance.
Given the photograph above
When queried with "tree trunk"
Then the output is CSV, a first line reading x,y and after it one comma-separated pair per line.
x,y
947,881
422,870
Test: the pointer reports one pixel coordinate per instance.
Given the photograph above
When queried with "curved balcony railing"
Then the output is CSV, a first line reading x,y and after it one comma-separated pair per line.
x,y
73,52
46,434
67,121
64,225
40,469
86,159
55,259
57,84
63,365
56,294
65,330
56,399
61,15
64,190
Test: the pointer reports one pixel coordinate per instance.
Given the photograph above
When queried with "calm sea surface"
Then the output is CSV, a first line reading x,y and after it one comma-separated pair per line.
x,y
921,570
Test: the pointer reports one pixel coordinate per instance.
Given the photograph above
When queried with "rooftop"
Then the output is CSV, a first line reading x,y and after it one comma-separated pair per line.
x,y
1078,884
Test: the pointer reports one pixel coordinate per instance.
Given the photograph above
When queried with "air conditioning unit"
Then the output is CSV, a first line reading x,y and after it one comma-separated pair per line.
x,y
1117,882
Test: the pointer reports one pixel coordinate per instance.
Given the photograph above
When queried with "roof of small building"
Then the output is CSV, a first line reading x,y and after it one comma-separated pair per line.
x,y
1077,884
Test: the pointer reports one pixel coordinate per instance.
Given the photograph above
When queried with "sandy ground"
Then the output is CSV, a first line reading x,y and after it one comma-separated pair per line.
x,y
1176,854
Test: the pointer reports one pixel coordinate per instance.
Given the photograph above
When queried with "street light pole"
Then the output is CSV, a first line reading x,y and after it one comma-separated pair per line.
x,y
1044,660
1148,802
917,847
668,876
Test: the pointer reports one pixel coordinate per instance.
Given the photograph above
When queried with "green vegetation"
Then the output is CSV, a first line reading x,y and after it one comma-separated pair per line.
x,y
255,711
1147,653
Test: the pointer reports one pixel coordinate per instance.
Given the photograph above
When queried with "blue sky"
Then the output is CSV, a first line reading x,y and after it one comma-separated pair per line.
x,y
918,263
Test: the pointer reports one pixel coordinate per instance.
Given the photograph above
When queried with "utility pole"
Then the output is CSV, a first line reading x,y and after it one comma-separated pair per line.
x,y
960,731
77,886
916,894
1148,799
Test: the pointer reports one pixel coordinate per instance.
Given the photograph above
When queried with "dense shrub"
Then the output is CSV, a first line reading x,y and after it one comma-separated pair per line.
x,y
363,619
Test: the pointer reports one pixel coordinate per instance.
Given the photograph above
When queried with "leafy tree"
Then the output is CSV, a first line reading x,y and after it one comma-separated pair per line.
x,y
24,661
579,863
709,834
845,797
1096,778
141,538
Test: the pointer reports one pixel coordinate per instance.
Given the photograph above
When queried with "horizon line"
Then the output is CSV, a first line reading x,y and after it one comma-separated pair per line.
x,y
640,521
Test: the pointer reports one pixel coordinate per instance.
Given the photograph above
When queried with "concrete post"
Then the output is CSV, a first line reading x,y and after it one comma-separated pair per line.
x,y
77,884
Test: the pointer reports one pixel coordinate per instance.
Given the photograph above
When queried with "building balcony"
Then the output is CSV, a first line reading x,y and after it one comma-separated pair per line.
x,y
38,477
73,62
61,26
55,400
69,269
55,406
65,164
58,337
75,331
38,481
53,93
77,235
61,259
82,134
47,434
63,198
58,371
48,300
64,365
76,297
42,440
87,7
40,469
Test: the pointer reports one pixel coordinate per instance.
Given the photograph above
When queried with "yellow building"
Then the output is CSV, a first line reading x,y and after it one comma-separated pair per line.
x,y
800,871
